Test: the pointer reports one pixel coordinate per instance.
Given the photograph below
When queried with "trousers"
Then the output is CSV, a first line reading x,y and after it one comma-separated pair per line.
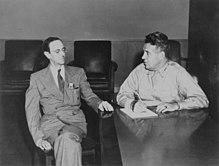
x,y
67,150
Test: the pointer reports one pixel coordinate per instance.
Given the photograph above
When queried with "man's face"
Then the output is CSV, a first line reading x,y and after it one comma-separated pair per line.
x,y
57,53
152,56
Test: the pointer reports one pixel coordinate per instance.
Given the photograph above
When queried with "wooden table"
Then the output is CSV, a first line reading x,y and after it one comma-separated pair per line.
x,y
181,138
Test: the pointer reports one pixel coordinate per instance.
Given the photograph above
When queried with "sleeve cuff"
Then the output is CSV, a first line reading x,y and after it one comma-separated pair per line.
x,y
98,103
37,136
128,103
181,105
38,142
178,106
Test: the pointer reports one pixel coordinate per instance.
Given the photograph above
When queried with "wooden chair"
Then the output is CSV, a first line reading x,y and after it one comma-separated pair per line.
x,y
90,154
90,144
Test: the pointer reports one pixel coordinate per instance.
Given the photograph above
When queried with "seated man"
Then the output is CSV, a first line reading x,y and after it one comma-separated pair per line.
x,y
57,90
160,82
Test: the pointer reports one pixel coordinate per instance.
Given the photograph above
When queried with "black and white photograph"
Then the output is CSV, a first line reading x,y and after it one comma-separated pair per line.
x,y
109,82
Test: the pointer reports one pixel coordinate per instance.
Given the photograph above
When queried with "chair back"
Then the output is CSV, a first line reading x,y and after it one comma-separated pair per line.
x,y
20,55
93,55
174,51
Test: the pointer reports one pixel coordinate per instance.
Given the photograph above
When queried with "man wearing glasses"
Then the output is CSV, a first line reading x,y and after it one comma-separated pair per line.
x,y
56,91
160,82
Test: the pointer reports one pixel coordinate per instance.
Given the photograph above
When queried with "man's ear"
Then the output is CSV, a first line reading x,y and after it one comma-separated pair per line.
x,y
47,54
162,54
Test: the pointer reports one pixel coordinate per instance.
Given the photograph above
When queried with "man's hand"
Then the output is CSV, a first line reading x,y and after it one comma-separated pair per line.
x,y
164,107
105,106
44,145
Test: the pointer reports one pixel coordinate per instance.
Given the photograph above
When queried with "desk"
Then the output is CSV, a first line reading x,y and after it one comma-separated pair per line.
x,y
182,138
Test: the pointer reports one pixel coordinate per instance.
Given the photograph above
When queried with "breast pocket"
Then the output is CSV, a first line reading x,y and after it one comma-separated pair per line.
x,y
76,95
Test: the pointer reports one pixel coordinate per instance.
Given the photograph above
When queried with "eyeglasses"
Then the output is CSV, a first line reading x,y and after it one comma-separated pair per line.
x,y
64,49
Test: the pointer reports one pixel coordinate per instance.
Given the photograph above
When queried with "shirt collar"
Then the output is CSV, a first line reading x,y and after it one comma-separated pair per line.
x,y
161,71
54,70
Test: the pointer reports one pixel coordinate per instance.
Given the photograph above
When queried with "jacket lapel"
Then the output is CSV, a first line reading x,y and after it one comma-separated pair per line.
x,y
50,84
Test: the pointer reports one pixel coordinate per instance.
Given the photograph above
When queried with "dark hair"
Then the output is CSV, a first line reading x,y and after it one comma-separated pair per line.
x,y
159,39
46,42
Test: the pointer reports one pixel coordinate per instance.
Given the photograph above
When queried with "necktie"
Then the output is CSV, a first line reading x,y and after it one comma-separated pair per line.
x,y
61,81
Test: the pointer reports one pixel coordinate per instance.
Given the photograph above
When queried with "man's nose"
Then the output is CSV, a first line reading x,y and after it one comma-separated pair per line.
x,y
62,53
143,56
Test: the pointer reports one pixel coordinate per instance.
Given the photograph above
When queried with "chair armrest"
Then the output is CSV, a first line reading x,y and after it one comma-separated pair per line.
x,y
194,76
114,66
